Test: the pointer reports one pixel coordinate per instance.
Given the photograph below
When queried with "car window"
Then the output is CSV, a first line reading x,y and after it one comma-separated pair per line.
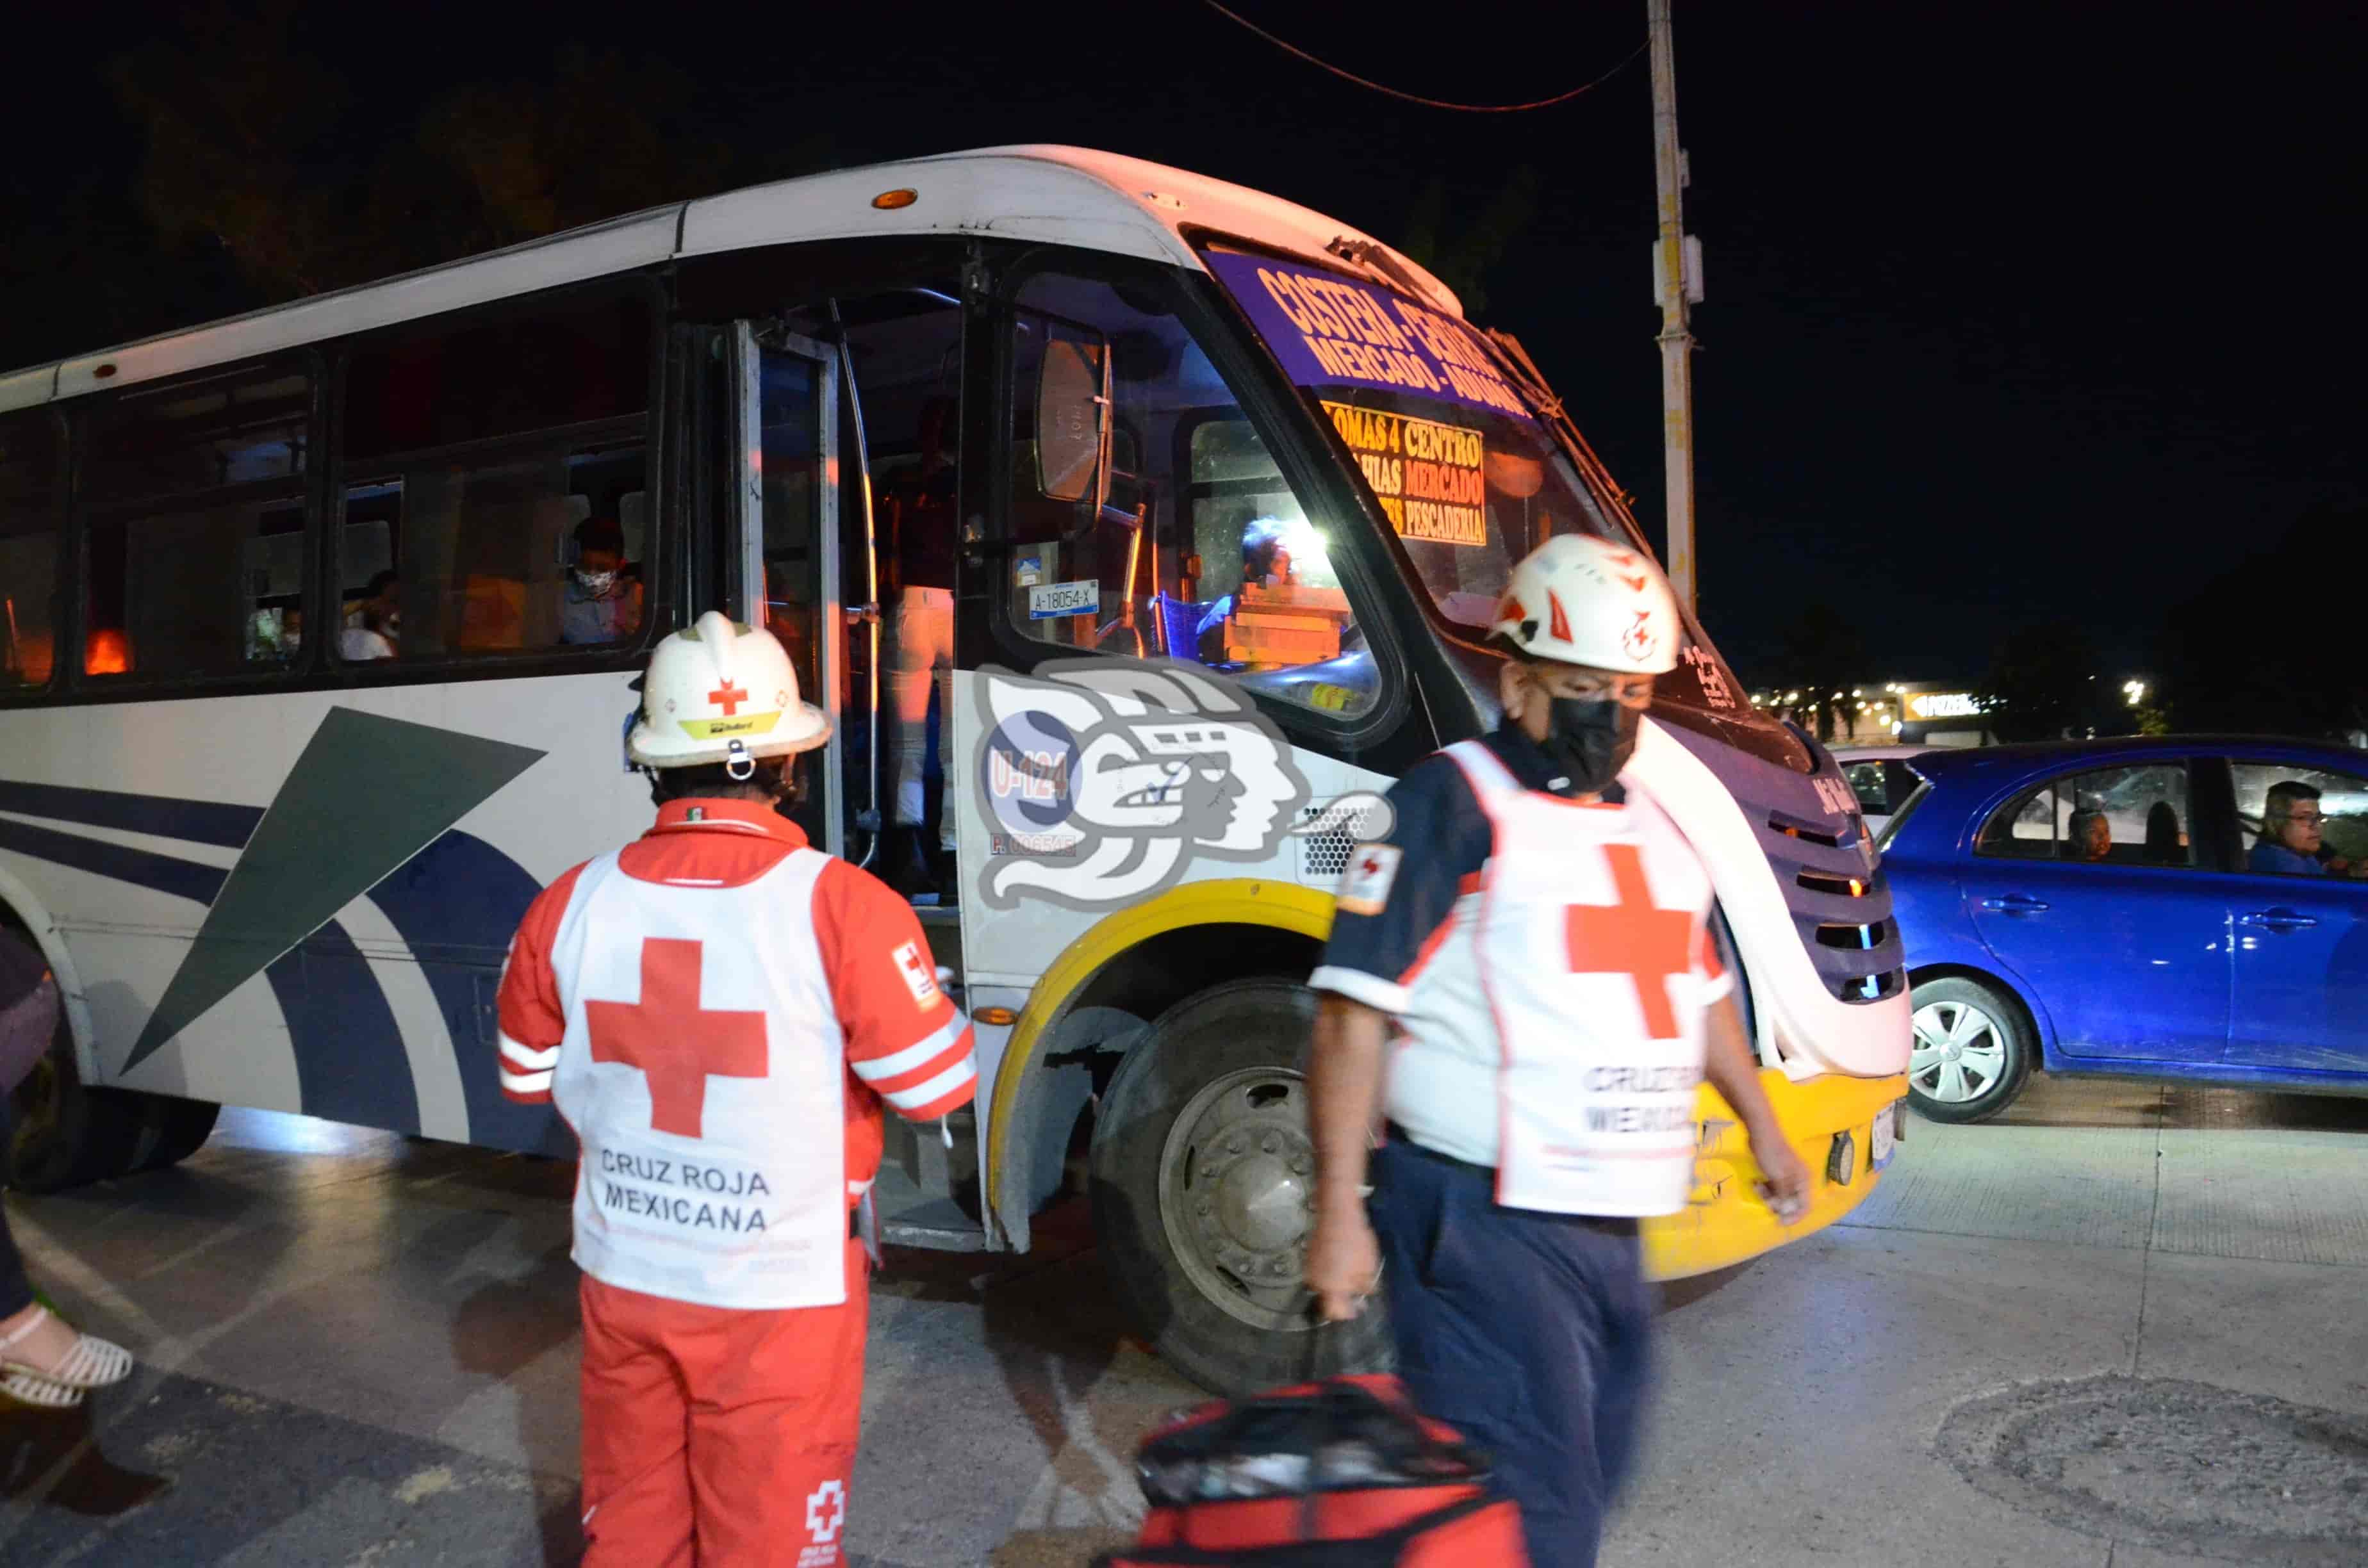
x,y
2131,816
1867,780
2292,818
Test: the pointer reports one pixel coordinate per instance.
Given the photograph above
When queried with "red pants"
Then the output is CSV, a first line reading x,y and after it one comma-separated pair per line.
x,y
716,1436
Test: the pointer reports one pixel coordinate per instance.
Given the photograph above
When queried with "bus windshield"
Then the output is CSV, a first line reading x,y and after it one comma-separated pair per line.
x,y
1470,479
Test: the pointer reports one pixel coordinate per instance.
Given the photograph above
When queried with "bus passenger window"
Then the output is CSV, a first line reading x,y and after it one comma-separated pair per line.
x,y
1188,542
193,498
496,501
28,552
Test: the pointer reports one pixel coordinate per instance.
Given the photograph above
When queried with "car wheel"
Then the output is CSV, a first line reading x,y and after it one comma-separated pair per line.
x,y
1203,1175
1972,1054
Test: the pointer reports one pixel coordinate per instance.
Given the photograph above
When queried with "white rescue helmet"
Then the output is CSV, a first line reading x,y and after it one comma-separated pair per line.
x,y
1582,600
718,691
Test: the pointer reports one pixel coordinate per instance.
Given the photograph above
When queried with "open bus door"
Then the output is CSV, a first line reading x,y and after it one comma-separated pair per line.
x,y
784,573
802,566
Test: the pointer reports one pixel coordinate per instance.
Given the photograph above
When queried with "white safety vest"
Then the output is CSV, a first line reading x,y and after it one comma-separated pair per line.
x,y
704,1072
1591,936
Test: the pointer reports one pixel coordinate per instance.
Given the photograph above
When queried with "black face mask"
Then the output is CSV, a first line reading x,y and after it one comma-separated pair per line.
x,y
1591,741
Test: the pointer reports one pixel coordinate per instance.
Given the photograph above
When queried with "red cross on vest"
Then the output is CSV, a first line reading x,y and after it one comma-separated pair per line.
x,y
729,696
668,1038
1636,936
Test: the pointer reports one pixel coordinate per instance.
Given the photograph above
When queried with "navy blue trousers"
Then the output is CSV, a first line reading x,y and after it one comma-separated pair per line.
x,y
1527,1332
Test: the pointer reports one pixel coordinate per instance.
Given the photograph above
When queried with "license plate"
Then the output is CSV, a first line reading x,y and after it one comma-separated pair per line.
x,y
1884,1142
1046,600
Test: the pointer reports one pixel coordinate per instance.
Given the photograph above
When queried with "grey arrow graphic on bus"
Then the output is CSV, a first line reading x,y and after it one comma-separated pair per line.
x,y
368,794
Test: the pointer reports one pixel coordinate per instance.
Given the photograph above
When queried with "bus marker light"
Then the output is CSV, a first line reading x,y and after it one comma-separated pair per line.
x,y
999,1017
889,201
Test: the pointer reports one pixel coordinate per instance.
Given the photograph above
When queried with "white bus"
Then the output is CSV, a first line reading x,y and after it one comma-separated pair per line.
x,y
319,625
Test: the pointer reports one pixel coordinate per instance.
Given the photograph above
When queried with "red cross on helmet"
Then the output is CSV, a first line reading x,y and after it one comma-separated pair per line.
x,y
1582,600
718,691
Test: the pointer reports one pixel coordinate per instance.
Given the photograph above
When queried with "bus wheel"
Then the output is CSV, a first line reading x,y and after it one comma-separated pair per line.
x,y
66,1133
175,1129
1203,1181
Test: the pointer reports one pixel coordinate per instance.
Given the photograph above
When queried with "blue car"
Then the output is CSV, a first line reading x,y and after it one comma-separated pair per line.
x,y
2185,907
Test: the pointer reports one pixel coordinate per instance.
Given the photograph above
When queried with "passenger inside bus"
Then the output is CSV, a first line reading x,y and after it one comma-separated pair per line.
x,y
375,628
601,604
916,524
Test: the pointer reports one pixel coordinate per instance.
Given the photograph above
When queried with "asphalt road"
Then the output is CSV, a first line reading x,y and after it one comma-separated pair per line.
x,y
2121,1329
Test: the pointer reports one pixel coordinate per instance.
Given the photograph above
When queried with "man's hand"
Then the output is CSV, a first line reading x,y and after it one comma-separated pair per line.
x,y
1787,1187
1344,1261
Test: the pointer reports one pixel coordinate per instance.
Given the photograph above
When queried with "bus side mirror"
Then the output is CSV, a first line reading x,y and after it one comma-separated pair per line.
x,y
1072,423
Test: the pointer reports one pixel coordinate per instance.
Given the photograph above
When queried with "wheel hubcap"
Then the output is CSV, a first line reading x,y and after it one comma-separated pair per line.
x,y
1960,1053
1235,1194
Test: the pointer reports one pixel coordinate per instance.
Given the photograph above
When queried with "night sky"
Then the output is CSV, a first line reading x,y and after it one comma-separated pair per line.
x,y
2014,312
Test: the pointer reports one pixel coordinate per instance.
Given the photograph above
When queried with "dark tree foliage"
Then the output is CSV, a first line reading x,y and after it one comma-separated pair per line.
x,y
2272,645
1460,244
266,175
1823,653
2043,684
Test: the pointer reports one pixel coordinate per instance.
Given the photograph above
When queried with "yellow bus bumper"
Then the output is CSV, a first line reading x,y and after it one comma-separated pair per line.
x,y
1724,1221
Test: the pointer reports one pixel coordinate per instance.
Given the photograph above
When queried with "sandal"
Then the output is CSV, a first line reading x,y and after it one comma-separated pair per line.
x,y
27,1389
92,1363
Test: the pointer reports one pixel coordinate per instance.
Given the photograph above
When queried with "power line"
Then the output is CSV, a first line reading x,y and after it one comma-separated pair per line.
x,y
1413,99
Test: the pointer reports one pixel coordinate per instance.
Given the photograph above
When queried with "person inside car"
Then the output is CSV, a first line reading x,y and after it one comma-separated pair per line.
x,y
2293,842
2089,837
2164,844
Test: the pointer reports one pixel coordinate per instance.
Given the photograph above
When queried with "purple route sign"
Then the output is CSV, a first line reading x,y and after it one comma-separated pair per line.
x,y
1330,331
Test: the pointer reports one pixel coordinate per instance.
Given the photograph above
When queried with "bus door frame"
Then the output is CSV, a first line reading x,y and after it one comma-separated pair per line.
x,y
747,346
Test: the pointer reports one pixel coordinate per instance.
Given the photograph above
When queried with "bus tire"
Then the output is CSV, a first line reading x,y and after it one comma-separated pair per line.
x,y
176,1129
64,1133
1204,1179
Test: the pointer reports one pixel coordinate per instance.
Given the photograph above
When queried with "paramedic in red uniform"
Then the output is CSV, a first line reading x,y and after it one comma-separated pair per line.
x,y
720,1011
1533,940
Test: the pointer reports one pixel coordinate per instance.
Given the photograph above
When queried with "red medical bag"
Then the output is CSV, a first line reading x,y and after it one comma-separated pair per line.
x,y
1342,1473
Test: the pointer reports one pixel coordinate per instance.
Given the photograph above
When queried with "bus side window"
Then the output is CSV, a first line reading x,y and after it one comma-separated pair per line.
x,y
496,497
193,498
28,552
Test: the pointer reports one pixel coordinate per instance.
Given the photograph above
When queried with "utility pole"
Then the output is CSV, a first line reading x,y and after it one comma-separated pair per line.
x,y
1677,278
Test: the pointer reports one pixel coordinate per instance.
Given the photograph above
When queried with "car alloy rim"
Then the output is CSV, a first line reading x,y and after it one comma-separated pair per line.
x,y
1960,1053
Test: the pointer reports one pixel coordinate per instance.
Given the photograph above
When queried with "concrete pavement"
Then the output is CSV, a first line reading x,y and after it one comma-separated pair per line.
x,y
360,1349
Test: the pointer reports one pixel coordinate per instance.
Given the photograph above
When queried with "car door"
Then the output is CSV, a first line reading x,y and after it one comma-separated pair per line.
x,y
2127,954
2301,998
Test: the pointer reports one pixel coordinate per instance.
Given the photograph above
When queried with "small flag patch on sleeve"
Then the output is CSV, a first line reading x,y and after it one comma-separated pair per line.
x,y
1365,884
919,976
